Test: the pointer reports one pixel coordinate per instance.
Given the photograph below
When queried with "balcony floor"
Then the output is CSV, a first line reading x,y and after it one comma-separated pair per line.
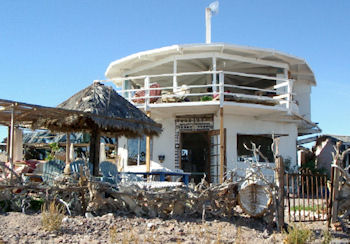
x,y
209,107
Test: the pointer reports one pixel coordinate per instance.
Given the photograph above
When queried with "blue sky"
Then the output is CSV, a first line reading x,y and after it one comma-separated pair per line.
x,y
51,49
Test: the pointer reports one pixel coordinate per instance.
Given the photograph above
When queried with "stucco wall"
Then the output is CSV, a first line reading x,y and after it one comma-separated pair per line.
x,y
234,124
303,91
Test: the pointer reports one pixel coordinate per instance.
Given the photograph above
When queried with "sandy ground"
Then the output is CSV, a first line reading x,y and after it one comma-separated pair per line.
x,y
22,228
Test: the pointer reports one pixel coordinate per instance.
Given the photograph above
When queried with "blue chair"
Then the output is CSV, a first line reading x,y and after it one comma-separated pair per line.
x,y
52,169
109,172
76,165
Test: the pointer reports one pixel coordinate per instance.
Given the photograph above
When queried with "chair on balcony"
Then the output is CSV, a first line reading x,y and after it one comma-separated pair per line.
x,y
179,95
155,94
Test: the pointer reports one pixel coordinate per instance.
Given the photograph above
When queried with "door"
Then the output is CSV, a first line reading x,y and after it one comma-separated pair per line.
x,y
214,155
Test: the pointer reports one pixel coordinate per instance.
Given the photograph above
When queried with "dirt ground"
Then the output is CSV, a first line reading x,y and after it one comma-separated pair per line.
x,y
24,228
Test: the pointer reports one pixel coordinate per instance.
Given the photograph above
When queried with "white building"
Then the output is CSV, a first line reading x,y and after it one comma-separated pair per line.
x,y
196,90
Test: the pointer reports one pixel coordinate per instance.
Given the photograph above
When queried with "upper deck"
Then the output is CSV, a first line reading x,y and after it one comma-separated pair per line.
x,y
215,75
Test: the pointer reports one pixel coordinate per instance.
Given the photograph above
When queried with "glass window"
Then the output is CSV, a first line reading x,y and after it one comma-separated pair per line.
x,y
137,151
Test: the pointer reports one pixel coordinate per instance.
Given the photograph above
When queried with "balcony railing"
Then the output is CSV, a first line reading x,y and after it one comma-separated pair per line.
x,y
279,94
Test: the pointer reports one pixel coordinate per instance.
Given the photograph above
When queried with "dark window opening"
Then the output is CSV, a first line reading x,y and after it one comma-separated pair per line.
x,y
264,142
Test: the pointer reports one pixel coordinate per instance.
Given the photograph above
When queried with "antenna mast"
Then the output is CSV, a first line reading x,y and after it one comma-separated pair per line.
x,y
211,10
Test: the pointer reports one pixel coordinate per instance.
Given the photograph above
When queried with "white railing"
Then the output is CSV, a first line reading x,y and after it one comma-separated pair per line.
x,y
279,94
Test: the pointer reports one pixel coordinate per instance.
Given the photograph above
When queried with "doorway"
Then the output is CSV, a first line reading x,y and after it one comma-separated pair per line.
x,y
195,154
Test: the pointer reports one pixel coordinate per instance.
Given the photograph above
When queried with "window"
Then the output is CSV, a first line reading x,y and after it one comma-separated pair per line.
x,y
264,142
137,151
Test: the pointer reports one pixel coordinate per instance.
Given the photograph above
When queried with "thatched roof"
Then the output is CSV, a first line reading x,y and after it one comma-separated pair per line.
x,y
105,110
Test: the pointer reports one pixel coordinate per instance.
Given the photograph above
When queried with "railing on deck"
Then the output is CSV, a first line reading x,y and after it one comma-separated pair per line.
x,y
279,94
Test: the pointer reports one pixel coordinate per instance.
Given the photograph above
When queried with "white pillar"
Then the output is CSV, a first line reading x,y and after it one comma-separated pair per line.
x,y
174,76
146,85
214,75
222,89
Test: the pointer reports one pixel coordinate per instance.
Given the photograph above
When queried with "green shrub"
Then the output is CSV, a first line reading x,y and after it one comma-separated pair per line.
x,y
206,98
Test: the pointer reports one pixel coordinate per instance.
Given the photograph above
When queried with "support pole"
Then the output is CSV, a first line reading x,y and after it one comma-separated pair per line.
x,y
147,92
95,150
214,76
148,149
12,140
335,181
280,194
67,148
174,76
222,142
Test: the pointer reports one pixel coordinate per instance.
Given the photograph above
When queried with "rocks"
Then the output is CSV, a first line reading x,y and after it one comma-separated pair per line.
x,y
133,229
88,215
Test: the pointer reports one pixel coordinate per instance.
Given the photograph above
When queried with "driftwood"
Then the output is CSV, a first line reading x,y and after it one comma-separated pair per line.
x,y
341,187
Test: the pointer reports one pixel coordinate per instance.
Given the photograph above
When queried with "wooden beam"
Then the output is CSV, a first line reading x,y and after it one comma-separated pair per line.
x,y
335,184
148,149
222,145
12,128
95,150
67,148
280,193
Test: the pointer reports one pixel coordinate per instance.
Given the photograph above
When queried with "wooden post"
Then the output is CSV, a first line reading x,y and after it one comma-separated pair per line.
x,y
95,150
148,149
8,143
280,194
12,140
335,185
67,148
222,144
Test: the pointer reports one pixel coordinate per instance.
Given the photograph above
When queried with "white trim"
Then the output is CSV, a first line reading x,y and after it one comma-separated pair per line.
x,y
206,55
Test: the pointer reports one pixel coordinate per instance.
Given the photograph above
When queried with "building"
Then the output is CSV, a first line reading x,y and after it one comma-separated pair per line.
x,y
211,99
325,147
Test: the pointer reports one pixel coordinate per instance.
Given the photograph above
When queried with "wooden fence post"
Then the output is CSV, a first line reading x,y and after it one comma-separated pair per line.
x,y
280,193
335,185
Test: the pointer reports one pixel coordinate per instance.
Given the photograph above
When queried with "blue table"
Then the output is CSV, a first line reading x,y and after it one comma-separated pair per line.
x,y
162,175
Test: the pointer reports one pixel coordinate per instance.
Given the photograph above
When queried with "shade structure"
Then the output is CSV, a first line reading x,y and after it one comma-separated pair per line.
x,y
108,113
103,109
97,109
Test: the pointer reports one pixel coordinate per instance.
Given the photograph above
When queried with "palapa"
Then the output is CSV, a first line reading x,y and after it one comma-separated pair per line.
x,y
97,109
104,109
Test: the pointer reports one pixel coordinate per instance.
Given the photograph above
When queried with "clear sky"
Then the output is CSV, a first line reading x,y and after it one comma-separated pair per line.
x,y
49,49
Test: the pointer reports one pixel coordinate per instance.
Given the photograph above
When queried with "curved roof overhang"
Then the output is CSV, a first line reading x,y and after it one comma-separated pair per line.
x,y
298,67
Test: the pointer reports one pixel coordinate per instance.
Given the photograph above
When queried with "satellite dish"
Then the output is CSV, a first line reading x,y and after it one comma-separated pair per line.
x,y
214,7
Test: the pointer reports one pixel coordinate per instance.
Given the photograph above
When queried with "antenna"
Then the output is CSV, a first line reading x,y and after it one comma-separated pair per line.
x,y
211,10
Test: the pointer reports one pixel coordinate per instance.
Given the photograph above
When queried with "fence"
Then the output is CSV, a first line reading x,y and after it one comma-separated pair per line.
x,y
307,196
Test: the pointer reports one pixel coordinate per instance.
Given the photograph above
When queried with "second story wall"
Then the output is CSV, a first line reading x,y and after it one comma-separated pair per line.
x,y
302,92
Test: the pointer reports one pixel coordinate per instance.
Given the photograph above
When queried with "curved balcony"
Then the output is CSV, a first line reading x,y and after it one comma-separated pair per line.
x,y
271,91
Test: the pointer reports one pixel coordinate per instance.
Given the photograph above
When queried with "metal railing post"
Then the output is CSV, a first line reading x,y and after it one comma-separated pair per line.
x,y
221,88
146,92
289,92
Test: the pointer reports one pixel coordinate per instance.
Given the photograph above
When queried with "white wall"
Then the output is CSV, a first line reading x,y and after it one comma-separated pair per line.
x,y
234,124
237,124
302,92
165,143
